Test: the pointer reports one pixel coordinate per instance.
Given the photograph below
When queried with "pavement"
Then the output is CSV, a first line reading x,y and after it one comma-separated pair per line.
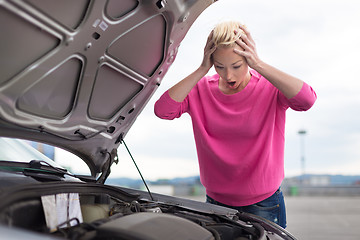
x,y
321,217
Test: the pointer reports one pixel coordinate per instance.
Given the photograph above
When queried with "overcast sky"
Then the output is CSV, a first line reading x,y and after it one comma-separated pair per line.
x,y
315,40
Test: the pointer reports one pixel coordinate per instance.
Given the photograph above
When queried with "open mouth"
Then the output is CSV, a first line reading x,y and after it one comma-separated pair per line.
x,y
231,84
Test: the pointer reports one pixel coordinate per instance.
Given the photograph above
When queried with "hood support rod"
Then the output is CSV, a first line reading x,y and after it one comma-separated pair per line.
x,y
142,178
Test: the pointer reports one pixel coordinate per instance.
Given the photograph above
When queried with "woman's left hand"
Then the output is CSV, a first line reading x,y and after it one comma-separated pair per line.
x,y
287,84
247,48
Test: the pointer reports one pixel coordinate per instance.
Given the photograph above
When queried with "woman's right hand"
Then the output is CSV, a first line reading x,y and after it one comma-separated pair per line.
x,y
208,51
179,91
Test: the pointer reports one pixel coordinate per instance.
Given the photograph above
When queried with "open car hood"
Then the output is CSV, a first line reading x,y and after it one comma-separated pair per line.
x,y
76,74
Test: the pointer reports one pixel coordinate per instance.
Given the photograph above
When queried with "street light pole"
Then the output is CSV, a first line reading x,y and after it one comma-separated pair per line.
x,y
302,134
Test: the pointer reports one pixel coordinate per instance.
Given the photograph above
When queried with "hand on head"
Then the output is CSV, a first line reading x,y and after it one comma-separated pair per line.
x,y
208,51
247,47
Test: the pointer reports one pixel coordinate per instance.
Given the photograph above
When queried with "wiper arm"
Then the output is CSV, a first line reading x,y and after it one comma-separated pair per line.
x,y
41,175
39,164
36,169
41,169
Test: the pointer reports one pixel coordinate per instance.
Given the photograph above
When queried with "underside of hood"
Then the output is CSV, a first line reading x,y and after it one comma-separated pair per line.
x,y
76,74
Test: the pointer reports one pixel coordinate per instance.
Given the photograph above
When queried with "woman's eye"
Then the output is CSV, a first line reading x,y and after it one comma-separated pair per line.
x,y
236,67
219,67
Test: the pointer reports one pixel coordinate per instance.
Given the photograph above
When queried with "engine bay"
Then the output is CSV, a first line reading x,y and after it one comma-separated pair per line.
x,y
106,216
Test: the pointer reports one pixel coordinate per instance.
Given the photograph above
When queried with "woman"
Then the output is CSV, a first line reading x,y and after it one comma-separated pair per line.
x,y
238,118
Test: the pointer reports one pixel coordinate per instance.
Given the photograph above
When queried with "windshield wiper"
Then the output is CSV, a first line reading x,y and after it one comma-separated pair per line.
x,y
37,169
39,164
41,169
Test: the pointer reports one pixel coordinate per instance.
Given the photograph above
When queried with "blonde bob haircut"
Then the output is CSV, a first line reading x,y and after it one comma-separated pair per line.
x,y
224,33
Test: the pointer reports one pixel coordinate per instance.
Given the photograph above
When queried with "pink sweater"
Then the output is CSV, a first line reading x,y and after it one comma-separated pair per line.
x,y
240,137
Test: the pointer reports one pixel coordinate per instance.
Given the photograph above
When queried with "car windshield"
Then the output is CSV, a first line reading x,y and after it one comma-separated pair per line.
x,y
17,150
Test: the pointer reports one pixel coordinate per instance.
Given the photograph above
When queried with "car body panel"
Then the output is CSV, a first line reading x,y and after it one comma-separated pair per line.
x,y
76,74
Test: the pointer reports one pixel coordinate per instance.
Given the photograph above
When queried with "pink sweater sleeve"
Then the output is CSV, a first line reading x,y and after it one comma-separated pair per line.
x,y
167,108
304,100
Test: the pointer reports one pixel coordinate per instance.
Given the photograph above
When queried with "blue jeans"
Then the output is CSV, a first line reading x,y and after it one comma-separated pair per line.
x,y
272,208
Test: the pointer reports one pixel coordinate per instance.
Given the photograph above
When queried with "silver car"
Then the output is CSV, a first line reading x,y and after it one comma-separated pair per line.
x,y
75,75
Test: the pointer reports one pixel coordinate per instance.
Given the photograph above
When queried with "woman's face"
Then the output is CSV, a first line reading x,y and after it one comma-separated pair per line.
x,y
232,68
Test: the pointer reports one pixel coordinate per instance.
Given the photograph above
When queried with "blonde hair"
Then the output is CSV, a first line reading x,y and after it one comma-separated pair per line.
x,y
224,35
